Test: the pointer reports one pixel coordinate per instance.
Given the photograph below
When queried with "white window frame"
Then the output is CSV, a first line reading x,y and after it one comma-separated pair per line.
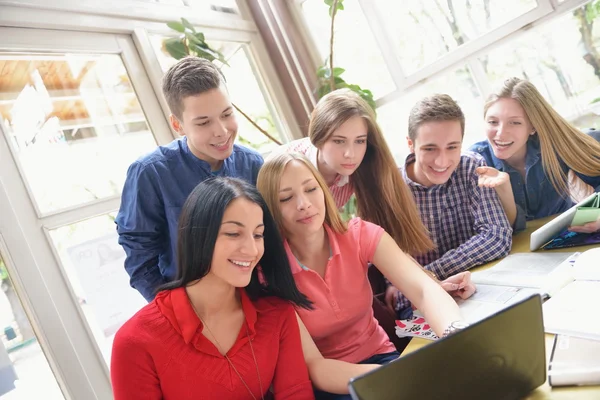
x,y
41,262
465,54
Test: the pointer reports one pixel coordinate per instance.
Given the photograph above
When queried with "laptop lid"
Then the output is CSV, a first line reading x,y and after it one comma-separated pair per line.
x,y
551,229
500,357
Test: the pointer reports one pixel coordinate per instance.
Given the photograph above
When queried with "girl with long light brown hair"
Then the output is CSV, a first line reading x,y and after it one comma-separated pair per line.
x,y
548,162
347,147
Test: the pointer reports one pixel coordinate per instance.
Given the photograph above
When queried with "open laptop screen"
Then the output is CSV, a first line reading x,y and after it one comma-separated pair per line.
x,y
500,357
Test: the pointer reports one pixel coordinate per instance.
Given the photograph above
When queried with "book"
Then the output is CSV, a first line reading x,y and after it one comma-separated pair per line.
x,y
514,278
574,309
574,362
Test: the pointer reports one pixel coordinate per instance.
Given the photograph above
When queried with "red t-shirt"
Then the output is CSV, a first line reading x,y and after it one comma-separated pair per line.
x,y
160,353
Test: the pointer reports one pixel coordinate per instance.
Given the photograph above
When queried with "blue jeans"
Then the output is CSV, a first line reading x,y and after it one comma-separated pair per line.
x,y
380,359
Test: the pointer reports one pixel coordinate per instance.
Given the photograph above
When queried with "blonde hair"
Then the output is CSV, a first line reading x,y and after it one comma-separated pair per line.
x,y
382,196
268,184
559,140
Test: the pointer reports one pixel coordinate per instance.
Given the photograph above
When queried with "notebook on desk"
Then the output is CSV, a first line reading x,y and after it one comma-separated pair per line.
x,y
476,363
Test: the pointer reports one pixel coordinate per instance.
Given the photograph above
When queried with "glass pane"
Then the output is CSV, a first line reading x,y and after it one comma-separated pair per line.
x,y
562,59
393,116
225,6
423,31
244,89
355,48
94,265
24,370
75,123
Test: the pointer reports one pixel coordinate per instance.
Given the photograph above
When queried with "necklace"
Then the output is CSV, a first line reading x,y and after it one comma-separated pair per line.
x,y
220,348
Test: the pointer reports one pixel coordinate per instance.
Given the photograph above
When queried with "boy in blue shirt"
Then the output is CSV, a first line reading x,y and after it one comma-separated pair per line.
x,y
158,183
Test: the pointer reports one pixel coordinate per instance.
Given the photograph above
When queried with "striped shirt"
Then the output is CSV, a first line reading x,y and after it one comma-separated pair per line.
x,y
341,189
466,222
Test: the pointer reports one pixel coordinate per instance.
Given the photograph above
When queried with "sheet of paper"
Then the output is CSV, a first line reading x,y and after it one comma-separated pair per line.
x,y
529,270
489,300
574,310
587,266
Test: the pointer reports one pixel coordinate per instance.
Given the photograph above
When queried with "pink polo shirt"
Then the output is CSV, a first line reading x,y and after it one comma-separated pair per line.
x,y
342,322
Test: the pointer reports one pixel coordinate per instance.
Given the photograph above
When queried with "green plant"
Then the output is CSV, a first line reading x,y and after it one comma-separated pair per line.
x,y
330,77
192,42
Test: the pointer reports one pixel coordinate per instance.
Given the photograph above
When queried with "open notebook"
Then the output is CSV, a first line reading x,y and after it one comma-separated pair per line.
x,y
514,278
574,309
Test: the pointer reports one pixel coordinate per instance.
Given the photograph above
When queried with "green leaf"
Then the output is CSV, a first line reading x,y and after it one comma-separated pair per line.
x,y
337,71
187,24
202,53
200,36
329,2
175,48
323,90
193,39
177,26
322,71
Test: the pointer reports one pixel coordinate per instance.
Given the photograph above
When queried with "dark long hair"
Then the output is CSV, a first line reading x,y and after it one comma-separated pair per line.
x,y
198,228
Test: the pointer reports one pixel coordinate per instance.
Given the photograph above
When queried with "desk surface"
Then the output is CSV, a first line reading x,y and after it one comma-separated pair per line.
x,y
544,392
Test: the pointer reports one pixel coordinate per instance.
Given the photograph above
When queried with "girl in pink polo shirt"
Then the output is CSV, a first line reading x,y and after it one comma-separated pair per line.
x,y
329,261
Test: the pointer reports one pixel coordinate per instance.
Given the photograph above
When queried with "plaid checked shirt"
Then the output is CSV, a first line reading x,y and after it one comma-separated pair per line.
x,y
466,222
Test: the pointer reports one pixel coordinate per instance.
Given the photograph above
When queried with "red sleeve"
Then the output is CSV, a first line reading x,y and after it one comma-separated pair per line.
x,y
291,380
132,370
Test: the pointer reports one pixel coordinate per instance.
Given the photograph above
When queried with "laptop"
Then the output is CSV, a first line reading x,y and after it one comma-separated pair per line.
x,y
557,229
500,357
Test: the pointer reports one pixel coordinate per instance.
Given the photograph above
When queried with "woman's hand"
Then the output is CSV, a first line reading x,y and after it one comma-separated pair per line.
x,y
491,177
590,227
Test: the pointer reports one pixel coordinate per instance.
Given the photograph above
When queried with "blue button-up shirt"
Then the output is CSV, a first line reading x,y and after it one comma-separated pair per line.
x,y
535,197
155,189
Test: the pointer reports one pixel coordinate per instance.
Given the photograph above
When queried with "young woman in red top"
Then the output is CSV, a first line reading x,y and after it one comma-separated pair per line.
x,y
216,331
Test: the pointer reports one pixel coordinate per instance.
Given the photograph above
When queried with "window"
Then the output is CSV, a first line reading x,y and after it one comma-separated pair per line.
x,y
355,50
225,6
424,31
464,48
245,90
24,370
562,59
79,117
459,84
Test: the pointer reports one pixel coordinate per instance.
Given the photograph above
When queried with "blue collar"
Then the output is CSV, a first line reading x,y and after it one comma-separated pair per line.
x,y
532,156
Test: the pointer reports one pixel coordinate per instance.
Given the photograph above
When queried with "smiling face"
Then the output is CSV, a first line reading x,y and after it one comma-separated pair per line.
x,y
301,200
437,152
239,244
508,129
345,149
209,123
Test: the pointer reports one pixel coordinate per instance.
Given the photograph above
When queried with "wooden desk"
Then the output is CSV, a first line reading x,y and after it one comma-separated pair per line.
x,y
544,392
